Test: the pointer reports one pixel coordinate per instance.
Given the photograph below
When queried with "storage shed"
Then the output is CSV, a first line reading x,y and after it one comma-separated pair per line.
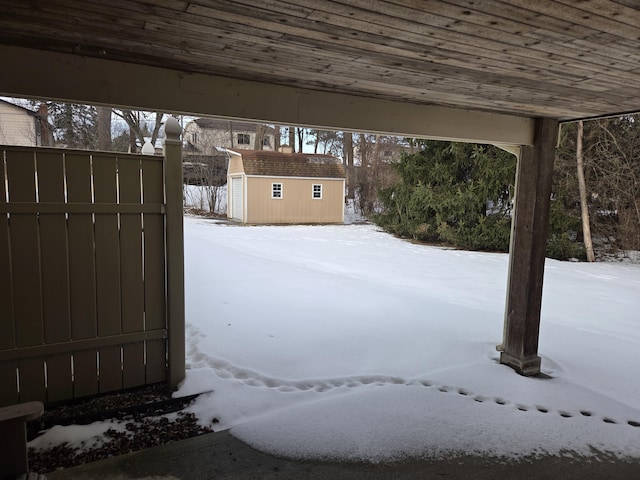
x,y
275,187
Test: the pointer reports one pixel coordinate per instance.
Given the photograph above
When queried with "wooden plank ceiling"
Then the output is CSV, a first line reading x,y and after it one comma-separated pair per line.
x,y
566,59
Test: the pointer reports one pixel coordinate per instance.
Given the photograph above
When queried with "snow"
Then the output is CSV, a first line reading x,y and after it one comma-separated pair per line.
x,y
344,342
76,436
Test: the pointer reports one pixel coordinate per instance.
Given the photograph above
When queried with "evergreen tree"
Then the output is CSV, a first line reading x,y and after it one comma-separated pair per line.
x,y
461,194
75,125
454,193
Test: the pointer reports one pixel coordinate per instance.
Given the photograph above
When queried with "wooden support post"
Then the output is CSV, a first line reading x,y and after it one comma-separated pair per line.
x,y
527,250
175,251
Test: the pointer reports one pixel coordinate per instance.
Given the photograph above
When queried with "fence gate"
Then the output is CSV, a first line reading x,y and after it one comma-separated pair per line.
x,y
83,305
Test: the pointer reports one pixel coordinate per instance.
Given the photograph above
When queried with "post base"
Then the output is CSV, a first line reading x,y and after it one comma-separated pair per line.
x,y
528,367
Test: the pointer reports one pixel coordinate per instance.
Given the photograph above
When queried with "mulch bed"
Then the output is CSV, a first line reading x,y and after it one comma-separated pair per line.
x,y
142,413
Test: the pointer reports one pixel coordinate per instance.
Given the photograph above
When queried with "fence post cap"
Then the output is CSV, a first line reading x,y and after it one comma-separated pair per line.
x,y
148,148
172,128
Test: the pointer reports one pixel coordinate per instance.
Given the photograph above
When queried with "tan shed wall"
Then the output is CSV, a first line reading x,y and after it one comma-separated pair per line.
x,y
235,164
296,204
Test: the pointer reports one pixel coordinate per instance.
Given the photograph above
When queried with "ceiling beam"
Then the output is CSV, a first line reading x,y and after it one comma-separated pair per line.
x,y
43,74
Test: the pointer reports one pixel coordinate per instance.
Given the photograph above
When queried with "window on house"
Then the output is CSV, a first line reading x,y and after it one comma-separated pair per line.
x,y
266,142
276,190
194,138
316,191
244,139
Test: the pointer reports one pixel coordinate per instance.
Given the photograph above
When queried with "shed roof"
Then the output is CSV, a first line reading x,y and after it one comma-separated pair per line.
x,y
278,164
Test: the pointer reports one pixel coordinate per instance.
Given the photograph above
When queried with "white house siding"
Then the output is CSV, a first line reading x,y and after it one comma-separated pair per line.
x,y
17,127
204,139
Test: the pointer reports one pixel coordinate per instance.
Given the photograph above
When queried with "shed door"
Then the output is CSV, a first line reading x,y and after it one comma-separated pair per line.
x,y
236,198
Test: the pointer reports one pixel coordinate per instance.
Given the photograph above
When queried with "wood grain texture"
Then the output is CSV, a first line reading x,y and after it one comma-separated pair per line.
x,y
560,58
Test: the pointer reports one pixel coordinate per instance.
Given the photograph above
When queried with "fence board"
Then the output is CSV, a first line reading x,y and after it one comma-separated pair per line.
x,y
7,330
53,246
85,373
32,383
81,254
107,249
59,378
110,369
25,255
129,179
21,175
9,390
133,365
131,248
154,261
152,181
154,268
26,280
156,359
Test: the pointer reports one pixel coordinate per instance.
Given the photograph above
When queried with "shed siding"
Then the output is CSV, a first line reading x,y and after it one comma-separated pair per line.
x,y
235,164
296,204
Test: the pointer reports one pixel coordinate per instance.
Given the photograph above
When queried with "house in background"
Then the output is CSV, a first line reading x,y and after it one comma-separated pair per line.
x,y
205,145
203,134
276,187
24,127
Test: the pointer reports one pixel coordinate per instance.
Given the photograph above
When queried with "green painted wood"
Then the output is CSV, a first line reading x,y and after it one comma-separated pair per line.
x,y
53,250
110,362
82,276
59,377
133,365
32,380
107,248
25,254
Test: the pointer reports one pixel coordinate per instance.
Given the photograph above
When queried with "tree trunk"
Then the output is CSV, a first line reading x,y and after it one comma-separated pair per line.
x,y
348,160
584,208
373,177
300,139
104,128
363,174
231,134
276,139
292,139
316,142
156,128
257,144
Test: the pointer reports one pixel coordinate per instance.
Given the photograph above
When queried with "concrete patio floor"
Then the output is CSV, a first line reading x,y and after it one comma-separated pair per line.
x,y
221,456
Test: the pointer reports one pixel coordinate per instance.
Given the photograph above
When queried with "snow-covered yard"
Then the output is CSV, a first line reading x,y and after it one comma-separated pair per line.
x,y
344,342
